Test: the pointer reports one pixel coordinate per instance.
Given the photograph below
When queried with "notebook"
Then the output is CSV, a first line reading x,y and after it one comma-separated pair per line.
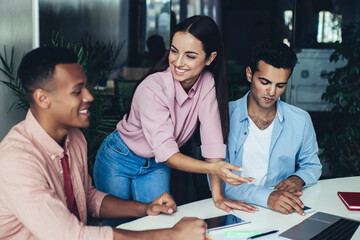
x,y
350,199
322,226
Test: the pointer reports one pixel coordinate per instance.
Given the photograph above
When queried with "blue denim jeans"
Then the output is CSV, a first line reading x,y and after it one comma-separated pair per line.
x,y
120,172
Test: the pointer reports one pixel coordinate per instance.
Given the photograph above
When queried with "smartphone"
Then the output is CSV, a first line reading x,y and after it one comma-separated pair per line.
x,y
308,209
221,222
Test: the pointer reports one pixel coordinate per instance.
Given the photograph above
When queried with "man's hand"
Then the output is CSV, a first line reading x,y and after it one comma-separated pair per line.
x,y
291,184
286,202
223,170
189,228
162,204
228,205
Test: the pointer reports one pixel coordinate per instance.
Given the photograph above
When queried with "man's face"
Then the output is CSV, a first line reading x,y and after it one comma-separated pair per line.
x,y
70,99
267,84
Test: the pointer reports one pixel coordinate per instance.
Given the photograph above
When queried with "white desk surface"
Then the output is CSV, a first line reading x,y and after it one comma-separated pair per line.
x,y
322,197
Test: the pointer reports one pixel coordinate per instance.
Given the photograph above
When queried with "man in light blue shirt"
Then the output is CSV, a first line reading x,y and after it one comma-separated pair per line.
x,y
273,141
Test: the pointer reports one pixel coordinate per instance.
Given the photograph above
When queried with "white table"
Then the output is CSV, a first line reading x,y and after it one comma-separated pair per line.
x,y
322,197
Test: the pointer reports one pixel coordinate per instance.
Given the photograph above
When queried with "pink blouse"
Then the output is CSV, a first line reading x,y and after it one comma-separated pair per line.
x,y
164,116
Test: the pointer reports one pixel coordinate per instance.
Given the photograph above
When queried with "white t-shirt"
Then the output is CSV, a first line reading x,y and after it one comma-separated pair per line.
x,y
255,159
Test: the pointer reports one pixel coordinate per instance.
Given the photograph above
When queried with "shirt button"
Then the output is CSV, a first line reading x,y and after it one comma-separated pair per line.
x,y
245,133
61,171
53,157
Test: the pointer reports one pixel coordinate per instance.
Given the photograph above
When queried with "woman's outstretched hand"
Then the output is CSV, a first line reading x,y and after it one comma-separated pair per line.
x,y
224,171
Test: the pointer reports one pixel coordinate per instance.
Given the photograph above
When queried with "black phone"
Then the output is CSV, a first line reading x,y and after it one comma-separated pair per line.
x,y
308,209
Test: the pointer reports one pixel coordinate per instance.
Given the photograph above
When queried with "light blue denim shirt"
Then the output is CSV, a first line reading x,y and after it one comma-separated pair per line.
x,y
293,150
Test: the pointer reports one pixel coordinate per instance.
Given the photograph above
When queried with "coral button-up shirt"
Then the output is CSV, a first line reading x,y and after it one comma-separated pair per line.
x,y
164,116
32,197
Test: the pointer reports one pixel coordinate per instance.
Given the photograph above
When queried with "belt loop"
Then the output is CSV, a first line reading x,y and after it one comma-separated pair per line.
x,y
146,163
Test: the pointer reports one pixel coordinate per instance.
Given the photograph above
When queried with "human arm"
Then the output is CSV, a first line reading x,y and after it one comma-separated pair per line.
x,y
218,196
216,167
113,207
307,160
186,228
291,184
33,202
282,201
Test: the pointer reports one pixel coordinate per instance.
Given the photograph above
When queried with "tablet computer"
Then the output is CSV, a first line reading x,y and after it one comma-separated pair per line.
x,y
226,221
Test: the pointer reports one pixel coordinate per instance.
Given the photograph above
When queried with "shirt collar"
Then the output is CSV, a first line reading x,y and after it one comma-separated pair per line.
x,y
181,95
244,112
243,108
279,111
41,138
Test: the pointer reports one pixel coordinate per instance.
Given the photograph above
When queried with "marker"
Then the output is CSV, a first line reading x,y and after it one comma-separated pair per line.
x,y
241,234
263,234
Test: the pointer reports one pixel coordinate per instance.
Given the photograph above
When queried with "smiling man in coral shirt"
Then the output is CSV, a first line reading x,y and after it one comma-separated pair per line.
x,y
45,190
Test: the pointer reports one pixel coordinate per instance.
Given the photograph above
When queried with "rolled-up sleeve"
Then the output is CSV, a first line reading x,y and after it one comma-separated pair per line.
x,y
156,122
212,144
94,199
26,192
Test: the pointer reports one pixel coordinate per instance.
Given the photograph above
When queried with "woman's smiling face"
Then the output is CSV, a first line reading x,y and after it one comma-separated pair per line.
x,y
187,59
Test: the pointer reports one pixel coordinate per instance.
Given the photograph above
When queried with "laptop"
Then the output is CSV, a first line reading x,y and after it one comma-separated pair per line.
x,y
322,226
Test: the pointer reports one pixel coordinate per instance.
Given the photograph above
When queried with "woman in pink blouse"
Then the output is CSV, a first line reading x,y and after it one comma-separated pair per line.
x,y
186,87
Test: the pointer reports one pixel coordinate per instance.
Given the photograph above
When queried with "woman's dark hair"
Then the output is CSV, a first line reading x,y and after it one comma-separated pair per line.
x,y
205,29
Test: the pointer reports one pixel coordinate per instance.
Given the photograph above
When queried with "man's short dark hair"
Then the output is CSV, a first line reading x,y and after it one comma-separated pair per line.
x,y
38,66
274,53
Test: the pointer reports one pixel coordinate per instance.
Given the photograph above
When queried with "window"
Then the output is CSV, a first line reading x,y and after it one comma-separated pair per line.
x,y
329,27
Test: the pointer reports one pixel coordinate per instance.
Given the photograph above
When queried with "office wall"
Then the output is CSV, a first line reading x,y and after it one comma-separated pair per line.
x,y
16,30
102,20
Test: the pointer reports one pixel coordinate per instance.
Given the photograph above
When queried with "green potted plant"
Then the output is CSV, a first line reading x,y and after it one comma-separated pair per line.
x,y
341,143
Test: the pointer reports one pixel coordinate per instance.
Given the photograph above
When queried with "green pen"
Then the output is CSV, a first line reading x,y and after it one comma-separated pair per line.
x,y
240,234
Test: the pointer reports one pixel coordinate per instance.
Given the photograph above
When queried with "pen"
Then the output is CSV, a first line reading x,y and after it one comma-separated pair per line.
x,y
240,234
263,234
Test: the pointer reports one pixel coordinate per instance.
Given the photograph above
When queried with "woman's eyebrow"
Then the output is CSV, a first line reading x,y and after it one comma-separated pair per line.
x,y
188,52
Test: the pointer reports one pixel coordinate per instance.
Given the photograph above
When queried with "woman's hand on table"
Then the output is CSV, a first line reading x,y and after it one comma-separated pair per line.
x,y
228,205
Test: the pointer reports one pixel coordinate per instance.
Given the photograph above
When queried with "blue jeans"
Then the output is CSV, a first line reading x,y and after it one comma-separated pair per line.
x,y
120,172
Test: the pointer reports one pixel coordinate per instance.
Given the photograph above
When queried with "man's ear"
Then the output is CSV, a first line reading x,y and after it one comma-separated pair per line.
x,y
211,58
42,98
248,74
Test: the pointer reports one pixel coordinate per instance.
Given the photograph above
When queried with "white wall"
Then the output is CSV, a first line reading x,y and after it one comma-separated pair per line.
x,y
16,30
